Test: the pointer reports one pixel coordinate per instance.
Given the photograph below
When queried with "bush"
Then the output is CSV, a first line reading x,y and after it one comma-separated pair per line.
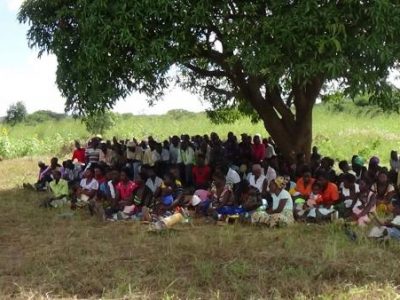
x,y
16,113
42,116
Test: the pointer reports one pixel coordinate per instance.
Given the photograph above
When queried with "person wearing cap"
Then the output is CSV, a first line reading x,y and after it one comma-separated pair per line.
x,y
280,213
357,165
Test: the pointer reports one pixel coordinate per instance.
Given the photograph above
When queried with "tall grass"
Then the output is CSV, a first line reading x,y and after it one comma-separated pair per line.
x,y
339,134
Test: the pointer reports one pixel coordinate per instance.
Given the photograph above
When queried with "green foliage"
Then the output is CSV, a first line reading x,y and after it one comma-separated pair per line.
x,y
178,114
99,122
16,113
43,116
232,52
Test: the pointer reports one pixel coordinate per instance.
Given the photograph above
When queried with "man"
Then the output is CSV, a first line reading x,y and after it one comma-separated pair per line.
x,y
174,150
186,159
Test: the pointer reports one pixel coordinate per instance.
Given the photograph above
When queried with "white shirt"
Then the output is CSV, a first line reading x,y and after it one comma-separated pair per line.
x,y
93,185
251,178
270,174
173,154
165,155
232,177
153,185
276,199
270,151
186,156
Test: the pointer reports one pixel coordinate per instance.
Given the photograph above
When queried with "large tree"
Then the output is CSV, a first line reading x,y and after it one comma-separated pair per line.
x,y
268,59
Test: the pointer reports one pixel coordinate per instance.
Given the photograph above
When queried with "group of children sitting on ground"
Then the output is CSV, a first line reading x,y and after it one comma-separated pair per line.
x,y
247,181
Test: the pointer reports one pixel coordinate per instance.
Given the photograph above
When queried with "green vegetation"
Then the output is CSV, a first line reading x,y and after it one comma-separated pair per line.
x,y
339,131
49,254
269,59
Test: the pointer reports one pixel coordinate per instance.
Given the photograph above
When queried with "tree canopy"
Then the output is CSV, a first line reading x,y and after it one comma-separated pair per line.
x,y
269,59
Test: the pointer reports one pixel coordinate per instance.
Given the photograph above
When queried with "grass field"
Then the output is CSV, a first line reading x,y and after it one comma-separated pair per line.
x,y
356,130
45,254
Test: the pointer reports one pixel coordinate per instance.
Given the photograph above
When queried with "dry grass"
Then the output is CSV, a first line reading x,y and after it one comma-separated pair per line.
x,y
43,255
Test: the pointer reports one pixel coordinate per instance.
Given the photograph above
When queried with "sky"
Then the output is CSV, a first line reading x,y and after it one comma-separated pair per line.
x,y
24,77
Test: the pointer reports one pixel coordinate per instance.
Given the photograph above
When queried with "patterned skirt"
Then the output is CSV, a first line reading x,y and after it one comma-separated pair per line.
x,y
281,219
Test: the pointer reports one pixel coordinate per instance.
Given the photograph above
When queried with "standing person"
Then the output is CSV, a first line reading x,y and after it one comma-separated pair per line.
x,y
186,159
174,149
394,168
258,150
269,149
92,153
201,173
79,153
231,149
245,151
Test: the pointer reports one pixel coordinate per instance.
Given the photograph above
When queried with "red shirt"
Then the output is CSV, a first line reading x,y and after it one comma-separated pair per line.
x,y
258,152
330,195
125,190
201,175
79,154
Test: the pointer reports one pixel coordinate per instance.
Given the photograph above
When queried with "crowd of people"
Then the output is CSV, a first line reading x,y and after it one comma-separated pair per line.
x,y
222,179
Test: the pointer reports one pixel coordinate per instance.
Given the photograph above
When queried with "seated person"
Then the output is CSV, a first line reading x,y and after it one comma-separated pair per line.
x,y
348,195
384,191
171,195
46,175
221,193
329,195
257,179
388,228
281,211
71,172
59,189
125,190
87,191
365,204
201,173
79,154
304,184
153,186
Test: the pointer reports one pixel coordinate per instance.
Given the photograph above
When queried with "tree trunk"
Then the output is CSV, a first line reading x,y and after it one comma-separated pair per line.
x,y
293,139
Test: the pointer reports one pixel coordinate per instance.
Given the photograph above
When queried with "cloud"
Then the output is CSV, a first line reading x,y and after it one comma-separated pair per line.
x,y
14,5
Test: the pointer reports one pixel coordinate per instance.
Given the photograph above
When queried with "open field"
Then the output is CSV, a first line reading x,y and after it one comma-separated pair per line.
x,y
356,130
44,254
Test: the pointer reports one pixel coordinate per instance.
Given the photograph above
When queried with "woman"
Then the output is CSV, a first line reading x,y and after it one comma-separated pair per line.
x,y
257,179
281,211
384,193
304,183
365,204
87,191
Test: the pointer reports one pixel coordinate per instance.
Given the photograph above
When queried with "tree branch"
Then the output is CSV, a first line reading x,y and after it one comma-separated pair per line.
x,y
205,72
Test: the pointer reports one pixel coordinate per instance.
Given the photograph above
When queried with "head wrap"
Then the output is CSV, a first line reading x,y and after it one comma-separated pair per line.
x,y
359,161
374,160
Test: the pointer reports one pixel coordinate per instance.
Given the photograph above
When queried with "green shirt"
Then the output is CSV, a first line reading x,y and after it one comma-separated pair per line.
x,y
60,188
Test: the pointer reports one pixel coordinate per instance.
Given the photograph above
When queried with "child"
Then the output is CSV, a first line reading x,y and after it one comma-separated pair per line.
x,y
365,204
